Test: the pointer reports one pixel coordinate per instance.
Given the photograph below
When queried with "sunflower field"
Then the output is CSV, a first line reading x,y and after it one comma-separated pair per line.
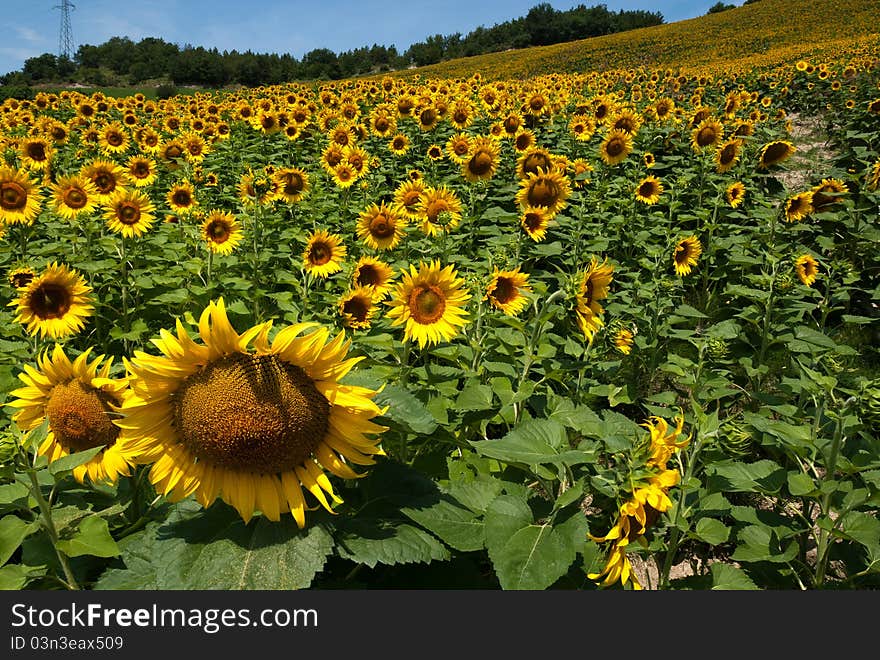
x,y
615,328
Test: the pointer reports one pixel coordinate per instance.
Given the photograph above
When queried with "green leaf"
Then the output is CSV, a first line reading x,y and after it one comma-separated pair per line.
x,y
690,312
13,530
532,442
63,466
758,543
800,484
712,531
405,409
504,516
214,549
474,396
13,577
455,526
864,529
730,578
732,476
92,538
372,542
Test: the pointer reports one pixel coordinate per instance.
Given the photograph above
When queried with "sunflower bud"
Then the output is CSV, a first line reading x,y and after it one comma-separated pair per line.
x,y
716,348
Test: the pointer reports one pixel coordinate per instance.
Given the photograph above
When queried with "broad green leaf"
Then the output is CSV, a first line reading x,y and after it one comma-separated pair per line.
x,y
474,396
405,409
863,528
712,531
533,441
534,557
373,542
61,467
13,577
800,484
504,516
730,578
761,544
214,549
13,530
454,525
733,476
92,538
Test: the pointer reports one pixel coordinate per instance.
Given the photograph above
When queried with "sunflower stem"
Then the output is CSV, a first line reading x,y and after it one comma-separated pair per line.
x,y
124,285
51,531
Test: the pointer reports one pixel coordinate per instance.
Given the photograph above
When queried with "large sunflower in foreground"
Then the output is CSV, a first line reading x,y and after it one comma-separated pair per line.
x,y
248,420
55,303
430,302
19,197
79,399
593,287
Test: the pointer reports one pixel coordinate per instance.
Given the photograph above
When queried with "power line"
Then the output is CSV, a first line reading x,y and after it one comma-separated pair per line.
x,y
65,35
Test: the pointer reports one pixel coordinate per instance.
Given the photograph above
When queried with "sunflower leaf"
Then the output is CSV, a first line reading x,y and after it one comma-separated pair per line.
x,y
374,541
13,530
63,466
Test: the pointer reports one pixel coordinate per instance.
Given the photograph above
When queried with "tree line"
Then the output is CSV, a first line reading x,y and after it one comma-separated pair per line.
x,y
122,61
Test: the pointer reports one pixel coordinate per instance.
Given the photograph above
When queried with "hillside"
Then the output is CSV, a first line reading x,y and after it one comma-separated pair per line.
x,y
762,34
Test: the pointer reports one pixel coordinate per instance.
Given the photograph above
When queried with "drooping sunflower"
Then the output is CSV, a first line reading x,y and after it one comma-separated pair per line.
x,y
129,212
535,220
482,160
373,273
106,175
707,133
357,308
774,153
55,304
20,197
324,254
807,269
548,189
727,155
649,190
79,399
249,421
140,171
221,232
292,182
381,226
685,255
828,193
507,290
593,287
615,147
74,195
429,301
735,193
799,206
439,210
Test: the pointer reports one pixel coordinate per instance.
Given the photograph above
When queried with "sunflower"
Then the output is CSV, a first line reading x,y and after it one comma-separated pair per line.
x,y
381,226
548,190
79,399
507,291
799,206
357,159
593,287
581,128
221,232
687,252
807,269
113,138
372,273
535,220
524,141
623,340
774,153
707,133
482,160
727,155
458,147
256,189
140,171
324,254
105,175
357,309
399,144
532,161
252,427
20,277
129,212
74,195
439,210
649,160
408,195
649,190
181,197
430,302
828,193
172,151
615,147
19,197
735,193
344,175
36,153
292,183
625,119
54,304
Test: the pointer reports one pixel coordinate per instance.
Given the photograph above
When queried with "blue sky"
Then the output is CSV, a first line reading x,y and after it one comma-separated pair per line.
x,y
275,26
